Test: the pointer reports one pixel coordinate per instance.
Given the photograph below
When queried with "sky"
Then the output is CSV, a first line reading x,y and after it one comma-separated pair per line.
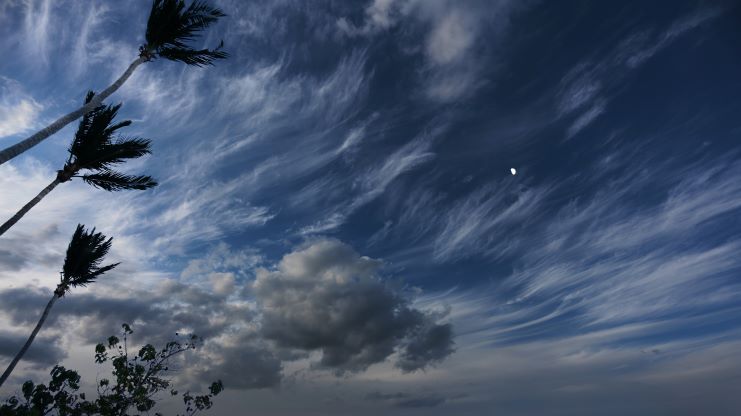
x,y
336,215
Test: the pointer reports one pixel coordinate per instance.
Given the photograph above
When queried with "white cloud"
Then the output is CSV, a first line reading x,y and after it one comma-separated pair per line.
x,y
482,221
451,32
450,38
88,42
373,183
586,118
19,112
379,12
222,283
37,30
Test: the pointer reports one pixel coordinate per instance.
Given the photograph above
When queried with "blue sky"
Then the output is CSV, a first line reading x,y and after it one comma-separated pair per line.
x,y
336,213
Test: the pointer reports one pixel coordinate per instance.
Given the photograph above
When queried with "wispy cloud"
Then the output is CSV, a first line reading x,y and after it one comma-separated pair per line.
x,y
38,27
454,51
641,46
586,89
481,222
600,264
374,182
89,37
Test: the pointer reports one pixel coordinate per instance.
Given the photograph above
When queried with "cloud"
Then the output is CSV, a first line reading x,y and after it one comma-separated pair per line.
x,y
241,361
20,250
19,112
480,222
641,46
222,283
408,400
586,118
451,35
159,95
321,297
325,297
206,212
587,88
37,28
45,350
610,271
373,183
431,344
90,40
450,39
230,352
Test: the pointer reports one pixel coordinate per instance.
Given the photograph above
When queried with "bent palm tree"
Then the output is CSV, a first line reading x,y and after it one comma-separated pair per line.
x,y
81,267
169,27
94,150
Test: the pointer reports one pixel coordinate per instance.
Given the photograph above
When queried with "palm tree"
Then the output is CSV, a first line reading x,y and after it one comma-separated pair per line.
x,y
170,26
81,267
94,150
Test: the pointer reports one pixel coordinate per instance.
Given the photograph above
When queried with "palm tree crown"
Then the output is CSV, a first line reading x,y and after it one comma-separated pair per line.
x,y
82,262
81,267
94,149
171,25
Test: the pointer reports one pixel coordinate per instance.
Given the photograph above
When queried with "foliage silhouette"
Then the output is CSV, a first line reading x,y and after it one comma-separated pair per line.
x,y
137,380
170,27
94,149
81,267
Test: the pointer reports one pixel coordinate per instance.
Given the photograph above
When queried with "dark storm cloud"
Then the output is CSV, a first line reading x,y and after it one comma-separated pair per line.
x,y
44,351
409,400
11,260
326,297
322,297
156,316
242,361
19,250
430,344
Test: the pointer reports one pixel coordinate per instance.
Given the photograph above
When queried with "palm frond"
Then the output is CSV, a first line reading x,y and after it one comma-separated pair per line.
x,y
95,132
193,57
111,129
79,141
171,25
85,252
109,154
115,181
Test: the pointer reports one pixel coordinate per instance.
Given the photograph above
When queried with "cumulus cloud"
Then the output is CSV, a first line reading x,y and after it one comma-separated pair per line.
x,y
19,112
326,297
231,350
321,297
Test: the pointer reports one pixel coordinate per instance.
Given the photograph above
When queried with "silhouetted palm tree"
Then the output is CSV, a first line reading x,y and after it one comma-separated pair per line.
x,y
94,150
170,26
81,267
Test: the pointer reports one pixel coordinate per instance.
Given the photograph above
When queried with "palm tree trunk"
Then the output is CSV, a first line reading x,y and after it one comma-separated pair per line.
x,y
20,147
18,215
23,350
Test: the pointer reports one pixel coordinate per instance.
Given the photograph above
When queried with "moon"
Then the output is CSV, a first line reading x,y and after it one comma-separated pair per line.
x,y
514,171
